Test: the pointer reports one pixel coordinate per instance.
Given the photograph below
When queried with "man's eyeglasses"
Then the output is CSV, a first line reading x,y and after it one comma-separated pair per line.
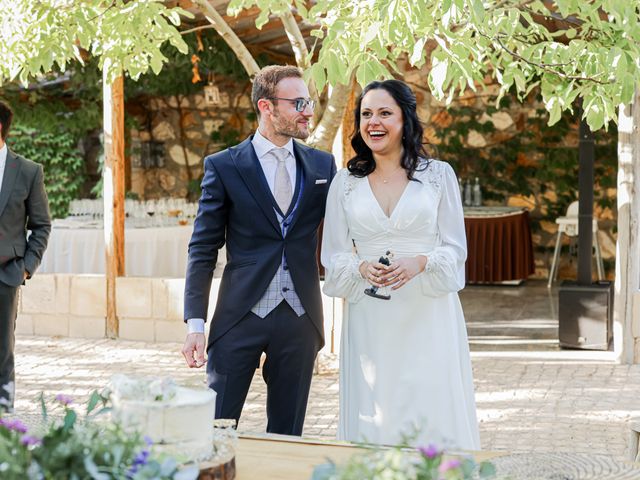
x,y
300,103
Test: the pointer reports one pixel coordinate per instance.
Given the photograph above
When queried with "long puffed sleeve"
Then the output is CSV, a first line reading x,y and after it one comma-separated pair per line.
x,y
342,278
444,272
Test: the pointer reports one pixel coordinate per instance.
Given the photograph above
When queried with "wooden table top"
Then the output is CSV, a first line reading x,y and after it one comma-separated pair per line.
x,y
281,457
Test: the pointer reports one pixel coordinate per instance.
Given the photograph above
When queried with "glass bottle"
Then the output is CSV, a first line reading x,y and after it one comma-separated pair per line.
x,y
467,194
477,193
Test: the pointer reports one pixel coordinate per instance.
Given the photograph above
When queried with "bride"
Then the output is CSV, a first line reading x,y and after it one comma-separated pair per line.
x,y
404,362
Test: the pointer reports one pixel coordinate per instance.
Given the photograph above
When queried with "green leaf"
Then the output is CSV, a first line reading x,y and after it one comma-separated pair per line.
x,y
594,115
417,56
478,9
43,407
94,399
554,112
319,76
69,420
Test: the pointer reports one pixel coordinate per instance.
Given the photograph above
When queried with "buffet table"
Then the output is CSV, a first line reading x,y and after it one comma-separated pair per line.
x,y
149,252
499,245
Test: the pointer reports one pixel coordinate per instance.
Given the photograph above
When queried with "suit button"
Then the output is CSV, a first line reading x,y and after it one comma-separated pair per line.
x,y
285,289
285,268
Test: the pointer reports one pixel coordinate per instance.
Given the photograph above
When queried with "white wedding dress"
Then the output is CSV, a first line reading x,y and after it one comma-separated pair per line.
x,y
404,363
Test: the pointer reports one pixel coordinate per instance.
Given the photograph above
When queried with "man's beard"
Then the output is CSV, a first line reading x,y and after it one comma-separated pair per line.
x,y
289,128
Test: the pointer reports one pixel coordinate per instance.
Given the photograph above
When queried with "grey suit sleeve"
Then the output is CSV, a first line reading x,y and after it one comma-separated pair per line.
x,y
38,221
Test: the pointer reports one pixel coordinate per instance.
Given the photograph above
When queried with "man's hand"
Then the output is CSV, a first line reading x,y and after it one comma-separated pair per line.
x,y
193,350
26,275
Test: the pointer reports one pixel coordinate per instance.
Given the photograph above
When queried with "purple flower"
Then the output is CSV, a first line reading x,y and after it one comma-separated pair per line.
x,y
430,452
140,459
65,400
14,425
29,440
148,440
449,465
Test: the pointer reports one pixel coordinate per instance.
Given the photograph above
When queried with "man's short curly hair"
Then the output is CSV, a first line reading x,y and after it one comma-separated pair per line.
x,y
266,80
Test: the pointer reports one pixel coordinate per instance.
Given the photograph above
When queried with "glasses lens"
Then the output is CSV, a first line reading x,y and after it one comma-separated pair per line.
x,y
302,103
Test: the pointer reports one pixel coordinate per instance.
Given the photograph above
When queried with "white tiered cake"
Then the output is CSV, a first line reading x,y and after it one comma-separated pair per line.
x,y
178,420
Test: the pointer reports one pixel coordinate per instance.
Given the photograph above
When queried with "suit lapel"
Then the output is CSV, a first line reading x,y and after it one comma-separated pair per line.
x,y
11,169
310,175
245,159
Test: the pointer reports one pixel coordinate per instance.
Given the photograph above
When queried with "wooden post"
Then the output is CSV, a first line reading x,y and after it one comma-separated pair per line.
x,y
626,321
113,194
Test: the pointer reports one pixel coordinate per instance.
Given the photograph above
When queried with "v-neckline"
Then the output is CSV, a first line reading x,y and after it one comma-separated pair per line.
x,y
395,207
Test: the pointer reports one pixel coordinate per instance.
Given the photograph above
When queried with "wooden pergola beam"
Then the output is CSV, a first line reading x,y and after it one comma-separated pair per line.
x,y
113,195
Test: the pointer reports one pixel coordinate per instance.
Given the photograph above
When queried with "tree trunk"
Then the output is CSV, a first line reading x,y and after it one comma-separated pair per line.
x,y
325,132
348,123
113,195
627,283
229,36
299,47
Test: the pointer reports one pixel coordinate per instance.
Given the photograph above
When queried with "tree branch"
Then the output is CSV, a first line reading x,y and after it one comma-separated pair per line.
x,y
195,29
299,46
229,36
549,68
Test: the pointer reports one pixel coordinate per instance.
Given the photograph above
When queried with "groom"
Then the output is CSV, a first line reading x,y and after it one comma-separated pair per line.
x,y
264,198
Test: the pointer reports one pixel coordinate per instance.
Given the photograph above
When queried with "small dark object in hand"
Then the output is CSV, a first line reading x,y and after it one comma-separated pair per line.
x,y
373,291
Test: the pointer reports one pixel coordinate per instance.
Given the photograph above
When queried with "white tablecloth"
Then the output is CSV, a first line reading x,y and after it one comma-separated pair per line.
x,y
149,252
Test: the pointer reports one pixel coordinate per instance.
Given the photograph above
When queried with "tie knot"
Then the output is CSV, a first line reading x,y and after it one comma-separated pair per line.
x,y
280,154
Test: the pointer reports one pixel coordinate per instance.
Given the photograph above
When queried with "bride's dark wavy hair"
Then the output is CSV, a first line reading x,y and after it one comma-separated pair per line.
x,y
363,163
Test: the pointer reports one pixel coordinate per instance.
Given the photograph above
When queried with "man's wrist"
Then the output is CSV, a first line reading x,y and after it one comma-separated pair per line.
x,y
195,325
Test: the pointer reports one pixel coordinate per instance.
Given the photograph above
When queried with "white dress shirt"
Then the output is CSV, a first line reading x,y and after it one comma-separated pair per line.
x,y
269,164
3,162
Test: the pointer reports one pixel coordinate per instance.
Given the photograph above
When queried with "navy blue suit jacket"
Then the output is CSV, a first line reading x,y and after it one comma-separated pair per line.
x,y
236,207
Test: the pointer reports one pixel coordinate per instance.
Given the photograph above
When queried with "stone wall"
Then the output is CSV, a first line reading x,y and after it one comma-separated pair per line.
x,y
149,309
181,128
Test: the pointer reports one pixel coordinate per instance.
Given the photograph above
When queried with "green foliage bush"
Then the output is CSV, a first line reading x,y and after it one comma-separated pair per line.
x,y
61,159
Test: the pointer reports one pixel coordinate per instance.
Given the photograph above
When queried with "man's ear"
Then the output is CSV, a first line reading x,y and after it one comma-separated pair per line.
x,y
265,106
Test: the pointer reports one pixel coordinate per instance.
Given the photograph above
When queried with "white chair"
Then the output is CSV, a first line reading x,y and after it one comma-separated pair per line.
x,y
569,226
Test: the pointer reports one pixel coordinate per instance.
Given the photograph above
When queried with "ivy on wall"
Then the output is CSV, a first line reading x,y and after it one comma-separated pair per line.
x,y
62,162
51,119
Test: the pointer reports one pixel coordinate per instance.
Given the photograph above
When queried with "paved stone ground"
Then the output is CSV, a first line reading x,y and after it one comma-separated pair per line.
x,y
531,396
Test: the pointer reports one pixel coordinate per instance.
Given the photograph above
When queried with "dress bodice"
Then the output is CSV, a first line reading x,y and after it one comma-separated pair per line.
x,y
412,227
427,220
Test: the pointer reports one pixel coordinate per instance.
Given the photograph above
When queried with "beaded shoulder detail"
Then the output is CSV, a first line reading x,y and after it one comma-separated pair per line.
x,y
432,172
349,183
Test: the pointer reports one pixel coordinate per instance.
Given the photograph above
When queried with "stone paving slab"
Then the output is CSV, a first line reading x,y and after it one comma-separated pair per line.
x,y
527,401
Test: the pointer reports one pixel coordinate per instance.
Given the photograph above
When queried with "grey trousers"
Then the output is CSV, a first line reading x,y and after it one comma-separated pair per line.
x,y
8,315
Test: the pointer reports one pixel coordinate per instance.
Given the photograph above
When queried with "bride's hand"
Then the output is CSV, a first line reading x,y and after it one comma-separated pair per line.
x,y
373,272
402,270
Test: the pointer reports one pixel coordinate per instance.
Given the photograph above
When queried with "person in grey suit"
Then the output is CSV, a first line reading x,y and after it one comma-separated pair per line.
x,y
23,207
264,199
